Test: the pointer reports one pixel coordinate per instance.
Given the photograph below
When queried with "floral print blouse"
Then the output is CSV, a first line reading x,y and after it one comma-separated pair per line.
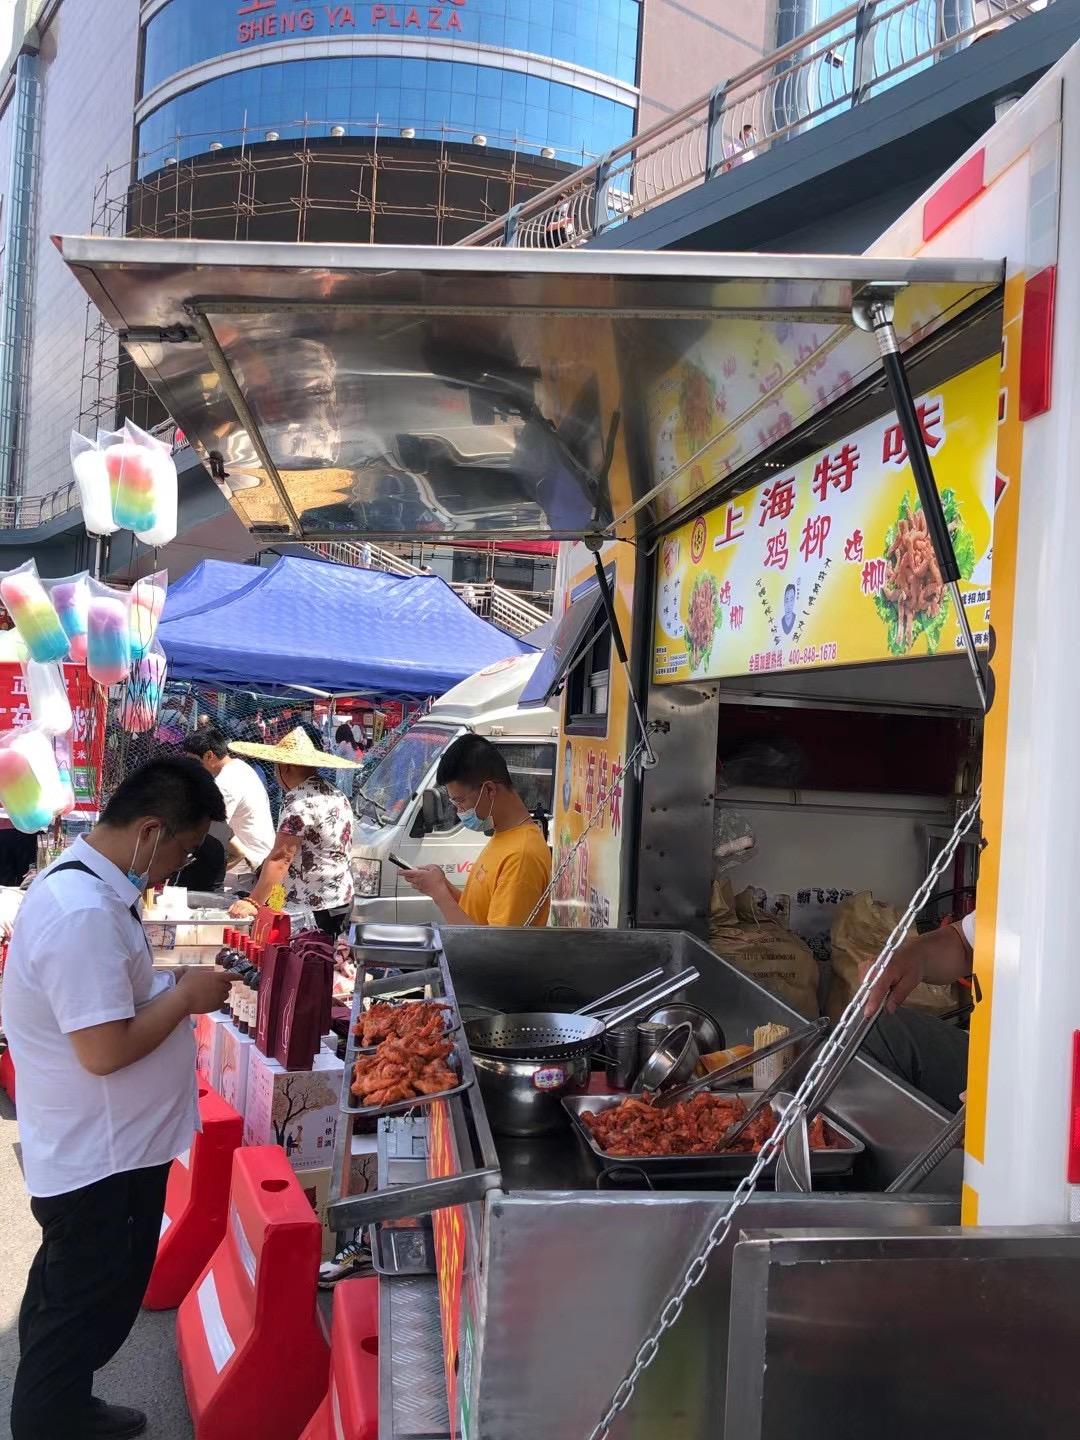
x,y
321,816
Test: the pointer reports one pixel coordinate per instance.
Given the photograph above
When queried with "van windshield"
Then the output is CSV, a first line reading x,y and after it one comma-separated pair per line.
x,y
400,773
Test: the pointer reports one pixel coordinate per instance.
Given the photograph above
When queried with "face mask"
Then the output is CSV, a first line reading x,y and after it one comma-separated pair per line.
x,y
470,819
140,879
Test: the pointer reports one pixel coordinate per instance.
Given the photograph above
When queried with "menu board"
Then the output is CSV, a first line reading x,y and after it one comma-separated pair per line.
x,y
829,562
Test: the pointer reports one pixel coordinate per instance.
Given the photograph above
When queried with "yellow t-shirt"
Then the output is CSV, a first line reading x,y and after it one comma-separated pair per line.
x,y
510,874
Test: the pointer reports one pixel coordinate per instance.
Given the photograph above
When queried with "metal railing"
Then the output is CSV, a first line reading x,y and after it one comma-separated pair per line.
x,y
847,59
26,512
511,610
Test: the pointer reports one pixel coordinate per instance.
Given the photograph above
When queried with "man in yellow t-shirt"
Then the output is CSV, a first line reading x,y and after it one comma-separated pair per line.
x,y
513,870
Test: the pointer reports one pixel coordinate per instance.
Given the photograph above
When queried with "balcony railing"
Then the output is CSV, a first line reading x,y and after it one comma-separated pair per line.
x,y
512,610
849,58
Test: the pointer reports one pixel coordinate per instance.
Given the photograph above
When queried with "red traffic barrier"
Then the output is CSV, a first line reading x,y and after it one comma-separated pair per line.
x,y
7,1074
350,1410
196,1203
252,1350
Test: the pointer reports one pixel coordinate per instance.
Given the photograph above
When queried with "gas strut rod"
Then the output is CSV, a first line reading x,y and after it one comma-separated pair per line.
x,y
873,311
648,756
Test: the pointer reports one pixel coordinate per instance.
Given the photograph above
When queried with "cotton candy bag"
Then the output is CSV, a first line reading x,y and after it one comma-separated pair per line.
x,y
50,708
28,604
92,481
30,788
70,596
108,640
141,700
147,601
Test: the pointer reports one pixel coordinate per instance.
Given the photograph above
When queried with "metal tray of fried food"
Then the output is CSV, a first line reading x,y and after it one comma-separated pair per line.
x,y
451,1022
403,1247
723,1165
350,1105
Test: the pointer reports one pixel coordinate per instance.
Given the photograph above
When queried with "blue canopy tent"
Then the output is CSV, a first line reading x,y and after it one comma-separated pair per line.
x,y
306,623
209,583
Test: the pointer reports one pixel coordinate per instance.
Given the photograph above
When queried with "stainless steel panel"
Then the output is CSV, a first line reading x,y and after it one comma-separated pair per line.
x,y
388,391
412,1386
675,861
574,1282
940,1334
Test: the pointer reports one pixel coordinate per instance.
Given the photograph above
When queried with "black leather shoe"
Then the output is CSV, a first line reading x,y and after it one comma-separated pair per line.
x,y
113,1422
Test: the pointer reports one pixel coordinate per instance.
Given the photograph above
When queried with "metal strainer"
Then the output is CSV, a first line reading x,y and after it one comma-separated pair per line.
x,y
553,1035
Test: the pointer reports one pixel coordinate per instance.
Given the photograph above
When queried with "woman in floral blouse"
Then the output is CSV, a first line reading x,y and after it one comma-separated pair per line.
x,y
313,849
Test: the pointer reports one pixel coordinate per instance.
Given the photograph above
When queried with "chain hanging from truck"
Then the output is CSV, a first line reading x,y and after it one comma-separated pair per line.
x,y
851,1026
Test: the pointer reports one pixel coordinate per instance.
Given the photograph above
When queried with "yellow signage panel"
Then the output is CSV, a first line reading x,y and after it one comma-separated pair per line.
x,y
829,562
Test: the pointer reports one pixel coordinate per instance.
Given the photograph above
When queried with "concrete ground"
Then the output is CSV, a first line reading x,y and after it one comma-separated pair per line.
x,y
146,1373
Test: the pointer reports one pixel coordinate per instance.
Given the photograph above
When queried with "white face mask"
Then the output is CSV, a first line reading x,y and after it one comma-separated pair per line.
x,y
141,878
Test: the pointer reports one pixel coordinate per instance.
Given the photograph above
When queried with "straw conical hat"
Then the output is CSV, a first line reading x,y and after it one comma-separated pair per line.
x,y
297,748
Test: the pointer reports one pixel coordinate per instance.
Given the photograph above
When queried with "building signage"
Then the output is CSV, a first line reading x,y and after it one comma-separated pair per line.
x,y
830,563
278,19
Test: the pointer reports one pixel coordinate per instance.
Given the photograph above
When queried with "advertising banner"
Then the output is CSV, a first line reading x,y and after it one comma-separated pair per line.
x,y
829,562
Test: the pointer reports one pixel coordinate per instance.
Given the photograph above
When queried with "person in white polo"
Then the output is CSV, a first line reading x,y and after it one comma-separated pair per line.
x,y
247,805
105,1063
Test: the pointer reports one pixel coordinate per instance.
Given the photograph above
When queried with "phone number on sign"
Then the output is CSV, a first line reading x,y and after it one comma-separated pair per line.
x,y
813,655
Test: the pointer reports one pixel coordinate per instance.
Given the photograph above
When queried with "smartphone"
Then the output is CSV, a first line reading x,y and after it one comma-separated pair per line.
x,y
401,864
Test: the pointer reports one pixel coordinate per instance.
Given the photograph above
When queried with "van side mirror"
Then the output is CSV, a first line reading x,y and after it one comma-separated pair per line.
x,y
436,810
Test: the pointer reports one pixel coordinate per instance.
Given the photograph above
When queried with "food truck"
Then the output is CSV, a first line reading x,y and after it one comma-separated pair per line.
x,y
738,447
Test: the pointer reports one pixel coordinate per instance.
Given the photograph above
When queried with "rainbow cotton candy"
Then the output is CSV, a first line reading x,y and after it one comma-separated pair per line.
x,y
29,782
147,603
108,644
132,486
71,600
35,619
142,697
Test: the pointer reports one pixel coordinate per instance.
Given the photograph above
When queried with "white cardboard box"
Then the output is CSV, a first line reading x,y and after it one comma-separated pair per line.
x,y
208,1047
296,1109
236,1051
316,1186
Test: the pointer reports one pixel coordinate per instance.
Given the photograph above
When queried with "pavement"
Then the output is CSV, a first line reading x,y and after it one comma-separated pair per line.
x,y
146,1372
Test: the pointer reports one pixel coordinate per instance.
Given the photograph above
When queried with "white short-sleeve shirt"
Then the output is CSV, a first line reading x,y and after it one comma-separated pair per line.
x,y
78,957
247,809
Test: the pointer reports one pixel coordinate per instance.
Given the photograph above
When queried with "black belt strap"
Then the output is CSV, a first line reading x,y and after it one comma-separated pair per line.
x,y
79,865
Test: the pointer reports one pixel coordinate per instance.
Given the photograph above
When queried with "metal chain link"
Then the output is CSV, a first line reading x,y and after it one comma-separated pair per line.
x,y
601,806
848,1022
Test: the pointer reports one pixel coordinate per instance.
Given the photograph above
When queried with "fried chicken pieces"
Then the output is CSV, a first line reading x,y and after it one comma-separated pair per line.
x,y
694,1127
425,1019
913,581
404,1070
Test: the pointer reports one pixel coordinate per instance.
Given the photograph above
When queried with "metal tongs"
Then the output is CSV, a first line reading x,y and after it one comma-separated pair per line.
x,y
812,1032
793,1162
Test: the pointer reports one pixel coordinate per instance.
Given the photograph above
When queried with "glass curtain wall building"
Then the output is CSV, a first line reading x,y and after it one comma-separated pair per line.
x,y
551,78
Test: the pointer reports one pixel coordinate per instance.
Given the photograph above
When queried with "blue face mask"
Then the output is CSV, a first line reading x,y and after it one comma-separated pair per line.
x,y
141,879
470,819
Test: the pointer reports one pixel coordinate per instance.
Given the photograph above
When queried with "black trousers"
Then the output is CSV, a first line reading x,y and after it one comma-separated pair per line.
x,y
83,1294
333,922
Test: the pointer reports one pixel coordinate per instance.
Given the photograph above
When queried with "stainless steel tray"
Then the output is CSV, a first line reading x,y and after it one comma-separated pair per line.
x,y
381,935
451,1023
398,1249
350,1106
723,1165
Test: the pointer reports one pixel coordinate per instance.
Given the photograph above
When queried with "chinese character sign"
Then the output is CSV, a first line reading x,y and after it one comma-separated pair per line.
x,y
830,561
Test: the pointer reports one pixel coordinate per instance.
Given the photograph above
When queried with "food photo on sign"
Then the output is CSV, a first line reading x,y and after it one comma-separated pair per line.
x,y
830,562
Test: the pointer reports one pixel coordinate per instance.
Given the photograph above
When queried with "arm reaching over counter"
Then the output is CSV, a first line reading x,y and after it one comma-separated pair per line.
x,y
940,957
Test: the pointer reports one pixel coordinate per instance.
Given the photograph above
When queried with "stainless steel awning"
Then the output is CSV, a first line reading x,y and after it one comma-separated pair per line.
x,y
566,645
355,390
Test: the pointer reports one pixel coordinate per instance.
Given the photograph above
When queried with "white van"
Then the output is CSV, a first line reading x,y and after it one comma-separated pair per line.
x,y
401,813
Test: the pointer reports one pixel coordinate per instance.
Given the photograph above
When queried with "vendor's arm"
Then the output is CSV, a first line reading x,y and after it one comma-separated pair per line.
x,y
237,852
430,880
940,957
274,868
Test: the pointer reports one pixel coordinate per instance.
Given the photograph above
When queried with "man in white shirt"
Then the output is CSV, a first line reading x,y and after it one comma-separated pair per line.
x,y
105,1058
247,805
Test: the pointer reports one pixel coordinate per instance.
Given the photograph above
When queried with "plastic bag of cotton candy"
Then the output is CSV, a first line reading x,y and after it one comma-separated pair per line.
x,y
127,481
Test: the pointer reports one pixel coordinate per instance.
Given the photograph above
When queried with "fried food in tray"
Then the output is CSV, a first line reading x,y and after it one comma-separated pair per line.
x,y
694,1127
404,1070
425,1019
